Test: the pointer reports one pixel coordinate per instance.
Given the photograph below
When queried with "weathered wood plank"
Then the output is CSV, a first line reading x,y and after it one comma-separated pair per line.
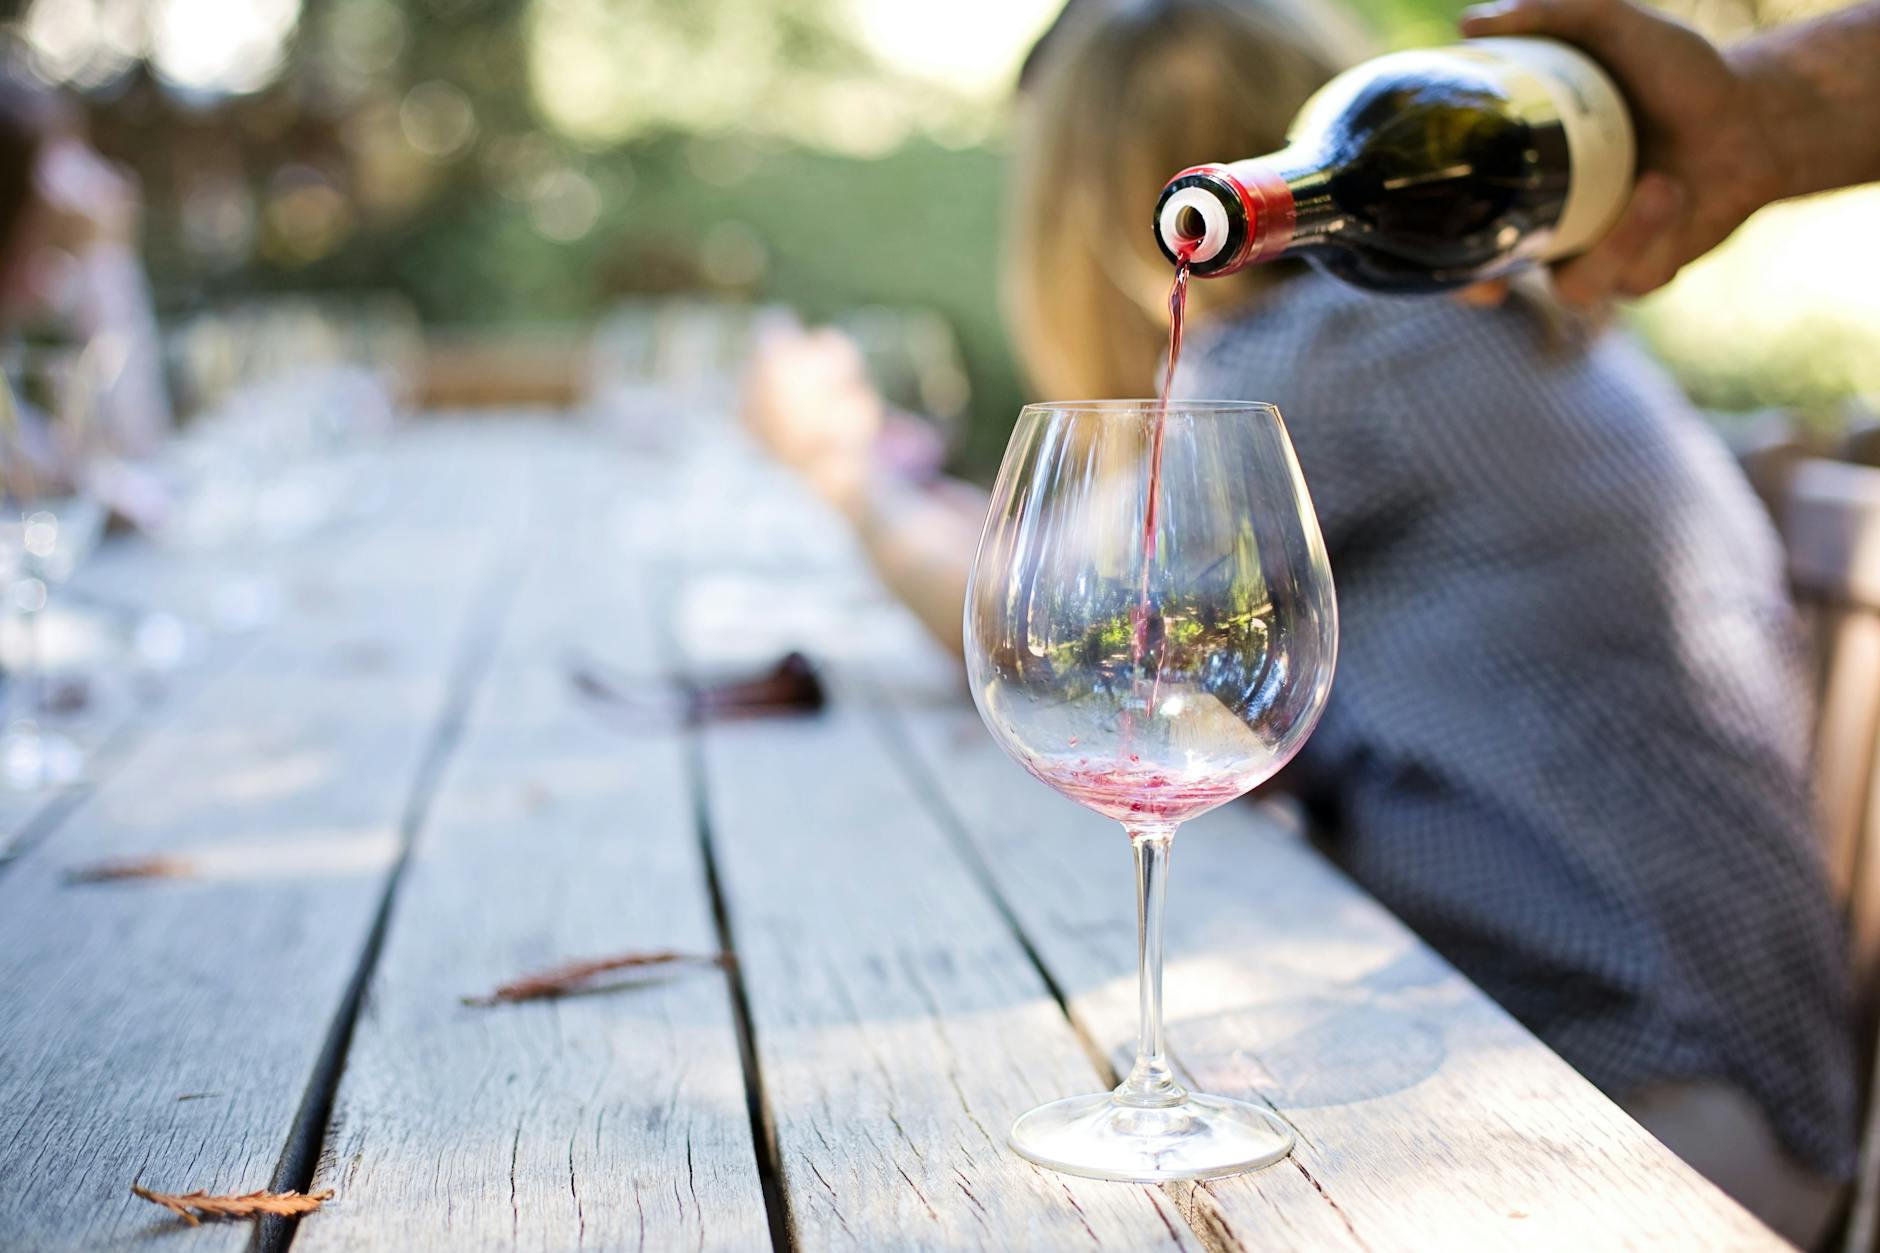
x,y
125,702
832,605
616,1120
1426,1116
130,578
899,1024
1847,757
167,1030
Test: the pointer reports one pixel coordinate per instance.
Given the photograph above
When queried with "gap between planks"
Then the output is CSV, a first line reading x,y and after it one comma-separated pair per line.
x,y
763,1125
1192,1199
183,689
306,1139
757,1104
116,748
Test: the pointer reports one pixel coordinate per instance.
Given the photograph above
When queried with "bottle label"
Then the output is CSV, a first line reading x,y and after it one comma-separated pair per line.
x,y
1600,140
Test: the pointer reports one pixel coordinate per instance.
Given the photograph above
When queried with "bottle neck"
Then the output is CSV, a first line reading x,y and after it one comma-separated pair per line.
x,y
1218,218
1298,179
1316,218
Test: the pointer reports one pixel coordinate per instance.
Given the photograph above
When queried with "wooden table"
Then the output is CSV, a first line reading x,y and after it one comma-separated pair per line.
x,y
393,796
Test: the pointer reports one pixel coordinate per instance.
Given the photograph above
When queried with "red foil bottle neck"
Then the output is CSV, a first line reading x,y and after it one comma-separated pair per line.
x,y
1267,201
1270,203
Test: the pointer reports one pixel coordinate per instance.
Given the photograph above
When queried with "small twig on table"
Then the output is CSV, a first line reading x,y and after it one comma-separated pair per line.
x,y
248,1205
570,977
131,868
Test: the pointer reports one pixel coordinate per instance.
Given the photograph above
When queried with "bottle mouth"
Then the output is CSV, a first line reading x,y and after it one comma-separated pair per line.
x,y
1201,221
1194,223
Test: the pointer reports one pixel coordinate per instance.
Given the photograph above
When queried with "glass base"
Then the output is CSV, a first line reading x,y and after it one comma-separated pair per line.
x,y
1203,1137
31,759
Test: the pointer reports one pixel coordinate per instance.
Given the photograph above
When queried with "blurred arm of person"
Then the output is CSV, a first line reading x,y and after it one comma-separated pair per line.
x,y
77,262
69,263
1723,132
808,400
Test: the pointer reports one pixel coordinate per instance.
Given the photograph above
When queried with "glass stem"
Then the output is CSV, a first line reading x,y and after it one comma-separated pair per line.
x,y
23,696
34,693
1150,1083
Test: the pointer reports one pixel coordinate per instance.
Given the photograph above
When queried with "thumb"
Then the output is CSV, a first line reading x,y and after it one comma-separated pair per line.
x,y
1589,22
1503,17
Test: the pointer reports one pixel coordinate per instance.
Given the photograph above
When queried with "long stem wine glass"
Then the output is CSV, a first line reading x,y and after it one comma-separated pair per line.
x,y
50,520
1151,661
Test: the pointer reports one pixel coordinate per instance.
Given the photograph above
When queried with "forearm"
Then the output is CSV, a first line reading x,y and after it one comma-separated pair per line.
x,y
111,306
1815,88
921,546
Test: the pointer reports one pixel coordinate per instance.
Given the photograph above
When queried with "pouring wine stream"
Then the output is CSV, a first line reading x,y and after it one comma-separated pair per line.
x,y
1177,308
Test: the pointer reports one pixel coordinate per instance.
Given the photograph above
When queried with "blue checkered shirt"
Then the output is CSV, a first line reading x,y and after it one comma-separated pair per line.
x,y
1568,739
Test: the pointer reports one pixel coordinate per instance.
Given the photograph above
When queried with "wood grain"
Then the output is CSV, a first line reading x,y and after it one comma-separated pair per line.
x,y
1847,748
904,902
165,1031
1426,1116
1830,517
125,579
610,1120
899,1025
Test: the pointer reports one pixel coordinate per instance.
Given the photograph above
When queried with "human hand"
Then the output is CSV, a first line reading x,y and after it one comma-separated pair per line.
x,y
1706,161
808,400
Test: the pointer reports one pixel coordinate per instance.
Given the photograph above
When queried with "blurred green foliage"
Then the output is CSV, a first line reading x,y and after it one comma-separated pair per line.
x,y
918,226
759,155
471,235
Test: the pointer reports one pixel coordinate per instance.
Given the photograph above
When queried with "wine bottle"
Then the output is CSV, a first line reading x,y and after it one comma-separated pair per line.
x,y
1421,171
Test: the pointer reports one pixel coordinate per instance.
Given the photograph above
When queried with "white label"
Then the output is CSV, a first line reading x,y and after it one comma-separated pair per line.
x,y
1600,140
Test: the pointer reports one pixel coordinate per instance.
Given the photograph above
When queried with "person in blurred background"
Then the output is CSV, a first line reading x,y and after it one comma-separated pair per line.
x,y
70,275
1568,740
1785,114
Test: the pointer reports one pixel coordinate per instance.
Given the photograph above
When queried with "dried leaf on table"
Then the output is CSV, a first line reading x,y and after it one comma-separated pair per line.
x,y
791,685
573,976
131,868
247,1205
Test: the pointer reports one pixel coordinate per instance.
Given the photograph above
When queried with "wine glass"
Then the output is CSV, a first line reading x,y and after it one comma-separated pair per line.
x,y
51,446
1150,662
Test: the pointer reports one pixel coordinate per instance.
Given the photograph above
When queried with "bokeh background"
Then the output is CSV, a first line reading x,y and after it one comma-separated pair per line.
x,y
535,163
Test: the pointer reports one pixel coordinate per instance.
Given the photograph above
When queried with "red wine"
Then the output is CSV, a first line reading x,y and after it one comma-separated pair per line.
x,y
1421,171
1130,791
1177,309
1152,492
